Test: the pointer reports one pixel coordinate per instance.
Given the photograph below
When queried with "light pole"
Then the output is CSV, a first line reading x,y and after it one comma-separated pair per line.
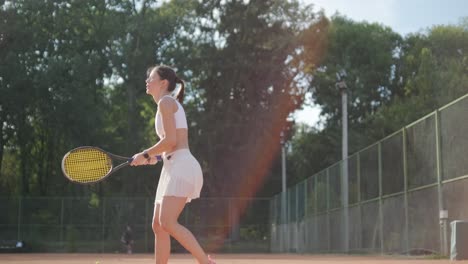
x,y
283,184
341,85
283,163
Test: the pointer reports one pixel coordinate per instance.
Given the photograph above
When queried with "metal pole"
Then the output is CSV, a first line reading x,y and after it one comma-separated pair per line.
x,y
405,189
20,208
328,211
147,209
316,210
381,219
283,163
283,183
443,212
62,212
103,229
344,153
359,197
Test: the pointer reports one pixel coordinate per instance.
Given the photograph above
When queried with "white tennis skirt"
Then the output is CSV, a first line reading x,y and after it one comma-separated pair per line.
x,y
181,176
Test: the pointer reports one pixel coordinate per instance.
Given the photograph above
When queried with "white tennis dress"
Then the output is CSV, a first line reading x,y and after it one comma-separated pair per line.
x,y
181,175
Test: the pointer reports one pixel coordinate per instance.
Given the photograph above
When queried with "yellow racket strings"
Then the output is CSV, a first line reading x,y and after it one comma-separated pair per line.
x,y
87,165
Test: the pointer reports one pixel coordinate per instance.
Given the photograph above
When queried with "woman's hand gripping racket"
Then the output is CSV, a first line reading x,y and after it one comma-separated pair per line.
x,y
86,165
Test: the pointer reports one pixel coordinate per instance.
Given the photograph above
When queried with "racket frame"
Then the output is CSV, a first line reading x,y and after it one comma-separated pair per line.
x,y
113,157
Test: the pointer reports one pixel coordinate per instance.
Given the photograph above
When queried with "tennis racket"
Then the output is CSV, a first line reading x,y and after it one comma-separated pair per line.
x,y
87,164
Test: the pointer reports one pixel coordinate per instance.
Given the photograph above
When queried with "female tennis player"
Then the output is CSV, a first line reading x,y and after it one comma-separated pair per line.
x,y
181,176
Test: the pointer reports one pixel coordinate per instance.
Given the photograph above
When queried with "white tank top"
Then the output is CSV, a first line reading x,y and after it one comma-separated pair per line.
x,y
179,115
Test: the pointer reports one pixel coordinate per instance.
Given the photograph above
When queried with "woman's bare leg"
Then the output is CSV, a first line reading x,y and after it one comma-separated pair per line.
x,y
170,210
162,240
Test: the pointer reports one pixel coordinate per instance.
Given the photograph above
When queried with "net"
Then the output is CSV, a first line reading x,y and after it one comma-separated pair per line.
x,y
85,165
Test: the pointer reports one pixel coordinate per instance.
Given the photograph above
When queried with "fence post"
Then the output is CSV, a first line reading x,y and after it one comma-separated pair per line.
x,y
328,209
61,220
345,203
287,218
405,190
358,176
379,148
296,226
315,213
146,223
231,223
306,225
20,208
442,213
284,220
103,231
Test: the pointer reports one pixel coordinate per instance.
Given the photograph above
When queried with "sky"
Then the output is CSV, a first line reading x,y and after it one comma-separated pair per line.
x,y
403,16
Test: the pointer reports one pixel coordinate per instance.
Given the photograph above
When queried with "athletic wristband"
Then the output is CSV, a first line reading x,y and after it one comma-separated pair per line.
x,y
159,158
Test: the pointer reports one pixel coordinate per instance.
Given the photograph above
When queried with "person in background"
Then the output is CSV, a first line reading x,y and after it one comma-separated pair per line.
x,y
127,239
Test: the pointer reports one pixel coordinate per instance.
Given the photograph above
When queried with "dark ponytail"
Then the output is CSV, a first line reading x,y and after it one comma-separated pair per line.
x,y
167,73
181,93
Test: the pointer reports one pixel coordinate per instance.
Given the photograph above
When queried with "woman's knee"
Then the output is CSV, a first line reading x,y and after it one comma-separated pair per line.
x,y
167,224
157,228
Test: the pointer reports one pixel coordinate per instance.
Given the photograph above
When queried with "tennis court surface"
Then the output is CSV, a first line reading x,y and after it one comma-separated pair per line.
x,y
220,259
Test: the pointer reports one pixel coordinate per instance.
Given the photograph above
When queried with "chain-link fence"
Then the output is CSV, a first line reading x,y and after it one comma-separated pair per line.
x,y
397,190
65,224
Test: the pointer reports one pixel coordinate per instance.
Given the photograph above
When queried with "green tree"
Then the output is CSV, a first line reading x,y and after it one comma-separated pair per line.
x,y
433,72
310,153
150,35
247,84
368,54
53,82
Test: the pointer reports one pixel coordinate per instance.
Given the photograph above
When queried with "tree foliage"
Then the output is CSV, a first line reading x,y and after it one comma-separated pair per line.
x,y
392,82
72,73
